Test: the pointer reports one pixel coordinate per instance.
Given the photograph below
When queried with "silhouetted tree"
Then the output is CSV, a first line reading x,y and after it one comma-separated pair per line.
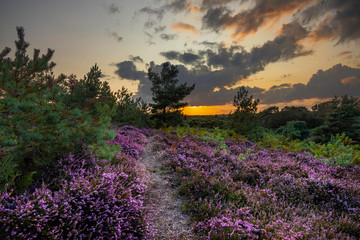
x,y
166,95
245,103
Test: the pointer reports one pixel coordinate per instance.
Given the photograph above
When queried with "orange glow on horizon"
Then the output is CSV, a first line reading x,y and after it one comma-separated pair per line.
x,y
208,110
229,108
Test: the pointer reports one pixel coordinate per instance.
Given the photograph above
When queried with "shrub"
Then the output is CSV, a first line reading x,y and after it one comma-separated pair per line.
x,y
294,130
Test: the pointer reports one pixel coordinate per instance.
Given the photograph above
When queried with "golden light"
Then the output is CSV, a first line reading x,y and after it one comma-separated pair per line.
x,y
208,110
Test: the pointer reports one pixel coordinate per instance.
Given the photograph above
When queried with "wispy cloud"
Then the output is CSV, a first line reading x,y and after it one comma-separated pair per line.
x,y
113,8
184,27
115,35
168,37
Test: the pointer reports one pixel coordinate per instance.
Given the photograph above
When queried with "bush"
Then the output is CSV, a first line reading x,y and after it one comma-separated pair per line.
x,y
294,130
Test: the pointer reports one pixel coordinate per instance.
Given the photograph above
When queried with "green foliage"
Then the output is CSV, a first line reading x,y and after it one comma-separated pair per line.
x,y
219,121
108,152
131,111
8,171
340,150
245,121
276,141
247,124
294,130
24,181
38,123
203,134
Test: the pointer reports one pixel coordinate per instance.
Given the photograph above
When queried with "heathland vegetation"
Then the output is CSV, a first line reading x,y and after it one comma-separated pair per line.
x,y
71,159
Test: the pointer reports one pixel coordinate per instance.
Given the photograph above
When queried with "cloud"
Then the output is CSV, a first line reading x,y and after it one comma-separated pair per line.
x,y
116,36
286,75
184,27
113,8
168,37
128,70
159,29
157,12
333,20
223,67
248,21
284,85
344,53
175,6
186,58
193,8
136,59
149,38
214,3
338,80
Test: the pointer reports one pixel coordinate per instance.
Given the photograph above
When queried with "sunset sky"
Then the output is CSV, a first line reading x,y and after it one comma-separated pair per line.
x,y
287,52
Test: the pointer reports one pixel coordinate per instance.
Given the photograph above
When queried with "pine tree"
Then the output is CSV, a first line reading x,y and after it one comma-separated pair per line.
x,y
36,126
166,95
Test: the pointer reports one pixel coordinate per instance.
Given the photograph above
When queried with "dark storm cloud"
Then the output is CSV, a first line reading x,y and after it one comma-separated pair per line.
x,y
113,8
333,20
168,37
338,80
248,21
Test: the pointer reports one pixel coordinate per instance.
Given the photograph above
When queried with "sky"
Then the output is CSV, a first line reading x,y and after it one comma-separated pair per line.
x,y
286,52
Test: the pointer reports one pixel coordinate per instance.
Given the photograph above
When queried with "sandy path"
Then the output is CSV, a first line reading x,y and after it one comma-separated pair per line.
x,y
169,221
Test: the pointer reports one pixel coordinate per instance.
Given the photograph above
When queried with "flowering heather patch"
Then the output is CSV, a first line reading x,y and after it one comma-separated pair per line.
x,y
243,191
95,199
